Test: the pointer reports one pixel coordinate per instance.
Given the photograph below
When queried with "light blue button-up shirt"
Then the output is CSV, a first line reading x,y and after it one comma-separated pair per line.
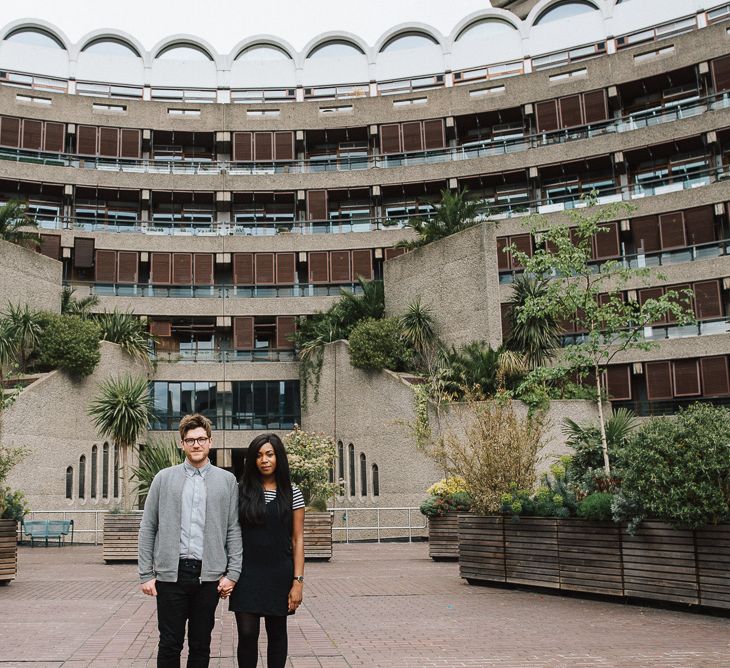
x,y
192,524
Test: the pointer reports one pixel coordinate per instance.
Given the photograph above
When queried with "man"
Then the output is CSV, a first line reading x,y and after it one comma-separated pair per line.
x,y
190,545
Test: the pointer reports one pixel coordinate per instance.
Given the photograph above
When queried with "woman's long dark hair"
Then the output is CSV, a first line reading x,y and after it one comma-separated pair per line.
x,y
251,503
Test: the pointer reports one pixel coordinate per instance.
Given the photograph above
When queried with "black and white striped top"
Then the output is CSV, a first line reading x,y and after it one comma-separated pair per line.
x,y
297,498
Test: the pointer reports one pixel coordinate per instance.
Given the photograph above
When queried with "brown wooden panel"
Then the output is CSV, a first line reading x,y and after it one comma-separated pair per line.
x,y
130,143
362,264
390,141
285,327
160,268
607,244
618,382
316,205
645,233
713,556
680,299
182,268
503,258
340,270
671,230
127,266
715,380
481,548
390,253
318,262
286,268
658,380
109,142
699,225
523,243
86,140
243,273
32,137
412,136
595,108
54,138
570,111
243,146
263,149
547,115
531,552
265,269
506,318
243,333
686,376
105,269
652,293
708,300
203,268
284,145
51,246
10,132
83,252
721,73
161,328
433,134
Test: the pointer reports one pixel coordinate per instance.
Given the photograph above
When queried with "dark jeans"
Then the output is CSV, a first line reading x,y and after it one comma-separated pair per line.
x,y
187,600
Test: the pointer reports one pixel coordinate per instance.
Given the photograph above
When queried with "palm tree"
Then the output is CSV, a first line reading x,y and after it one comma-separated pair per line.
x,y
25,328
13,218
128,331
352,307
477,367
122,411
153,457
536,338
70,305
419,330
8,349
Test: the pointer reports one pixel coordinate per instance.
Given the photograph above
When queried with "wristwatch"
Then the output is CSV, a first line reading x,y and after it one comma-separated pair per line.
x,y
299,579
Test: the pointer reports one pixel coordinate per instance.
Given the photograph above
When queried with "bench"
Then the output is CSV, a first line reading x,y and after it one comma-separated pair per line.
x,y
45,529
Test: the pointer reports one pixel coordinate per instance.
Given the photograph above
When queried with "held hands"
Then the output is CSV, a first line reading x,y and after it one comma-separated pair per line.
x,y
225,587
295,596
149,587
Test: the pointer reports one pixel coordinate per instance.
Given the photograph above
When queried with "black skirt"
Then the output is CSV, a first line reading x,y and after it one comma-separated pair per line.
x,y
268,567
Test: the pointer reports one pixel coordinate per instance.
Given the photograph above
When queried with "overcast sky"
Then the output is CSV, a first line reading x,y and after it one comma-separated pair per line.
x,y
223,23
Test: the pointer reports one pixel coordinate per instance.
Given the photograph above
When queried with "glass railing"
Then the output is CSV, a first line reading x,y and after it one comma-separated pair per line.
x,y
232,421
224,356
215,291
644,408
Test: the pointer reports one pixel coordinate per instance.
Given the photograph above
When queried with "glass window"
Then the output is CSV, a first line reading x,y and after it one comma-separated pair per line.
x,y
363,475
35,37
408,40
116,471
82,477
263,52
105,471
564,10
69,482
94,466
486,29
351,458
340,461
183,52
336,50
111,47
376,480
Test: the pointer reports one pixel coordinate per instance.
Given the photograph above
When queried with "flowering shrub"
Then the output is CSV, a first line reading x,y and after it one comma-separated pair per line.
x,y
447,486
447,494
311,458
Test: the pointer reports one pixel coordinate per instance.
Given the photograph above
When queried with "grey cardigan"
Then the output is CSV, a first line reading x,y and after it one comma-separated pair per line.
x,y
159,531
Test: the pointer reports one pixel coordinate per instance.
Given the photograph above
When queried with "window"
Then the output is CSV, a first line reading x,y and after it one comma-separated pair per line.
x,y
363,475
564,10
351,462
340,461
82,477
35,37
336,49
184,52
94,468
485,30
116,471
408,40
263,52
69,482
105,471
375,474
111,47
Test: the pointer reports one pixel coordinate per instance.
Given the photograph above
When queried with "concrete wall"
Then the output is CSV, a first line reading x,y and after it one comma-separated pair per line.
x,y
29,278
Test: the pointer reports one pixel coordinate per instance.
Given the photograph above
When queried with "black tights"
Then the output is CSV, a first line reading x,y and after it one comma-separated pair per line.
x,y
248,637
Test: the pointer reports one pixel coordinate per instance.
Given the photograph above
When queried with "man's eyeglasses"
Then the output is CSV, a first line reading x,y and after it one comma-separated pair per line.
x,y
201,440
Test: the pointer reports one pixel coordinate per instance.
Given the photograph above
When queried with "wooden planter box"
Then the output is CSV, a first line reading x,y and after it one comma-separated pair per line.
x,y
443,537
658,562
8,551
121,533
317,535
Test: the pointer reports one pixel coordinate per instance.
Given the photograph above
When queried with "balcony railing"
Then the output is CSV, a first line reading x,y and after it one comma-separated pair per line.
x,y
645,408
224,356
225,419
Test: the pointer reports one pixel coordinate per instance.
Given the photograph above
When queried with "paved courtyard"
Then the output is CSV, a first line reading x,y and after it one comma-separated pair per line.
x,y
372,605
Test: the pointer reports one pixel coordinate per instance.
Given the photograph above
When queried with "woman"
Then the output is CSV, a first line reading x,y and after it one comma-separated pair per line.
x,y
271,512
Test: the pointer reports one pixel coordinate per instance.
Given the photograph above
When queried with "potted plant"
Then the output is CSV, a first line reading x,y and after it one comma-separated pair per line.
x,y
311,458
446,499
12,510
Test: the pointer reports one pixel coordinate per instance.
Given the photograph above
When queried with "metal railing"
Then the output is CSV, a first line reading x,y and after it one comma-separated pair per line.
x,y
376,530
85,521
646,408
224,356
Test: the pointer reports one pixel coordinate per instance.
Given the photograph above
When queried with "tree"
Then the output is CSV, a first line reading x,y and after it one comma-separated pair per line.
x,y
24,327
13,218
592,299
71,343
70,305
418,329
378,344
478,367
311,458
352,307
122,411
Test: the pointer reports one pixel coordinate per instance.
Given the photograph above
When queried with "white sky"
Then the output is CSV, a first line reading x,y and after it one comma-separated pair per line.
x,y
223,23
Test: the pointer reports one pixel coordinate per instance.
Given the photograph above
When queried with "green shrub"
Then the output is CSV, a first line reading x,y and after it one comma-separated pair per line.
x,y
438,506
378,344
71,343
13,505
596,507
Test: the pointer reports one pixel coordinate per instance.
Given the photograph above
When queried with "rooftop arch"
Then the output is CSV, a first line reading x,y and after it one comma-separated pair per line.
x,y
399,31
41,27
555,10
104,36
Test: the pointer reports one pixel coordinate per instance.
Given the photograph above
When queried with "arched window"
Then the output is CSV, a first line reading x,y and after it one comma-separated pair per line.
x,y
82,477
35,37
340,461
486,29
408,40
70,482
565,10
111,47
336,49
115,477
351,457
363,475
260,52
183,52
94,467
105,471
375,474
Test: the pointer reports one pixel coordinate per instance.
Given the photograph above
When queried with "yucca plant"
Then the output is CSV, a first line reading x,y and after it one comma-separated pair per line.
x,y
122,411
128,331
8,349
13,218
157,454
419,331
24,327
71,305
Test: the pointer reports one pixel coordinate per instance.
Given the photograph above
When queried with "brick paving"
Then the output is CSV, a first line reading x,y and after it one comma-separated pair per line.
x,y
371,606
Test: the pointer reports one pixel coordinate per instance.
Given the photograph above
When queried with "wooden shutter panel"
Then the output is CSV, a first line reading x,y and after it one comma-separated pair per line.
x,y
645,233
284,145
10,132
686,378
595,108
340,267
86,140
127,266
618,382
412,138
503,258
243,269
658,380
318,267
263,148
721,73
679,299
83,253
671,230
105,266
362,264
570,111
203,268
51,246
243,333
522,242
286,268
242,146
390,253
715,381
264,268
607,244
32,134
130,143
54,137
162,328
390,138
652,293
109,142
182,268
699,225
708,300
160,268
316,205
433,134
285,327
547,115
506,318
